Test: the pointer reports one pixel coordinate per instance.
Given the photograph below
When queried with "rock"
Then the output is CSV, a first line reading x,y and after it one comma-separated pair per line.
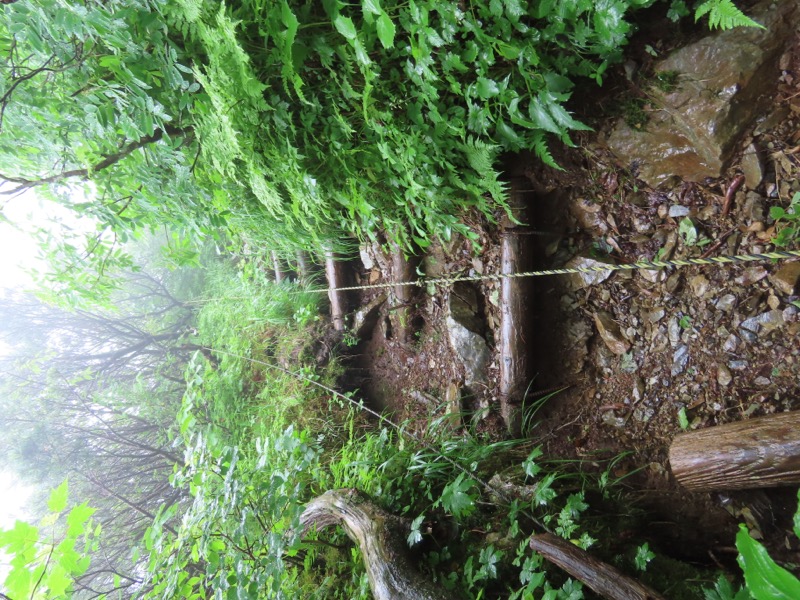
x,y
464,306
738,365
464,329
763,323
785,278
679,360
726,302
610,333
672,283
762,381
674,331
366,258
751,167
731,343
638,389
471,349
588,215
773,302
366,317
581,280
699,285
726,80
724,376
751,275
655,315
653,275
678,211
753,208
610,419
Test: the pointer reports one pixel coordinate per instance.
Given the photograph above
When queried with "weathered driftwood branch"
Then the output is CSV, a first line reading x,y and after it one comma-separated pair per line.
x,y
381,537
514,367
757,453
599,576
334,271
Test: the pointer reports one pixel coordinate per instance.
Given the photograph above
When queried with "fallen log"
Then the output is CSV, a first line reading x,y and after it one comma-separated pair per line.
x,y
381,537
757,453
601,577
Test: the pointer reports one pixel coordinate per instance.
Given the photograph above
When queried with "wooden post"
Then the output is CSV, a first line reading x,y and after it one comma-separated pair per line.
x,y
514,366
599,576
276,265
336,279
302,267
757,453
401,295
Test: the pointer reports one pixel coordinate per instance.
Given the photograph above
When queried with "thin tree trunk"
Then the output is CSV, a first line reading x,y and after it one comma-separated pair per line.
x,y
599,576
757,453
381,537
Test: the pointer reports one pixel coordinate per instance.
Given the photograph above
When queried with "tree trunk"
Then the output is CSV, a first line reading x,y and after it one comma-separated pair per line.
x,y
599,576
757,453
381,537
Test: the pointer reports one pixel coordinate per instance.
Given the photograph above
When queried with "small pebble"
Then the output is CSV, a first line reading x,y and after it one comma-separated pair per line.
x,y
738,365
678,211
762,381
726,302
724,376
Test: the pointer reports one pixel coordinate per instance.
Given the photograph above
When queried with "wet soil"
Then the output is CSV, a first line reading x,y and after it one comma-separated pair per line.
x,y
693,355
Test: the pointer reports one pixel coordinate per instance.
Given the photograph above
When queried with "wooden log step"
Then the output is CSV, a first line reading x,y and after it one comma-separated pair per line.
x,y
757,453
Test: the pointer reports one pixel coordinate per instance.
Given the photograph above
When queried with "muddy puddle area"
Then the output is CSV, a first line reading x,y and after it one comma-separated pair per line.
x,y
638,356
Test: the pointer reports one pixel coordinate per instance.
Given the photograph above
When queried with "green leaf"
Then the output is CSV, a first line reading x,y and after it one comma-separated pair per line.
x,y
345,26
456,498
797,517
58,498
487,88
371,7
765,578
386,30
683,420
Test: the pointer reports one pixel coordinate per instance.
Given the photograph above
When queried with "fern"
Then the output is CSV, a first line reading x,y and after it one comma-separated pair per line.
x,y
723,14
481,156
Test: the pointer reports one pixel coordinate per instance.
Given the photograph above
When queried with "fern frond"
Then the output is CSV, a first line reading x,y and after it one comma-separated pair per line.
x,y
543,152
481,156
723,14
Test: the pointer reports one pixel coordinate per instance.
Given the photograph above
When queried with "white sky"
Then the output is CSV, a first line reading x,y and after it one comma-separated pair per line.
x,y
18,252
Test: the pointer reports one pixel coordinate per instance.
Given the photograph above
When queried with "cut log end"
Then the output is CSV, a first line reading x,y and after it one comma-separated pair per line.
x,y
757,453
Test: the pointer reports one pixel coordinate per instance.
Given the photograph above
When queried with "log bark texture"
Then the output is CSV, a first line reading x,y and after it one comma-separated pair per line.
x,y
381,537
334,271
280,274
757,453
401,296
599,576
514,365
